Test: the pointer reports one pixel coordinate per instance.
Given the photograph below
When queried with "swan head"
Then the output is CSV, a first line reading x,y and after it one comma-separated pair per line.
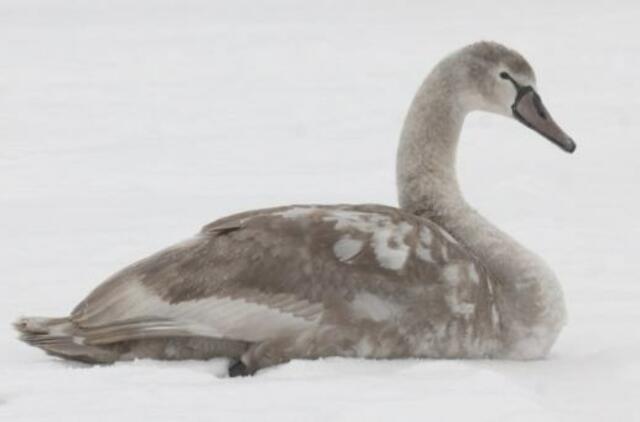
x,y
497,79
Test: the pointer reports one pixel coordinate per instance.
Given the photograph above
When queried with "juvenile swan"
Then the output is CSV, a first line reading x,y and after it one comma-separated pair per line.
x,y
431,279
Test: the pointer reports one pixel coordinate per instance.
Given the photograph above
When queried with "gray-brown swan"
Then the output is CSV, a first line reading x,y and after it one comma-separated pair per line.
x,y
430,279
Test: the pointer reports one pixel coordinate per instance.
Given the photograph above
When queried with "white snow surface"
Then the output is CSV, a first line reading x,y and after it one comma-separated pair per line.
x,y
125,126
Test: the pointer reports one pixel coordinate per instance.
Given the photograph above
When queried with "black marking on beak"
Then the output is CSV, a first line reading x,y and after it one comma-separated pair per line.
x,y
529,110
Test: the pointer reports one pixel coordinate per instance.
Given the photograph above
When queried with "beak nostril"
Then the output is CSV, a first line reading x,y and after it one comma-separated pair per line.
x,y
542,112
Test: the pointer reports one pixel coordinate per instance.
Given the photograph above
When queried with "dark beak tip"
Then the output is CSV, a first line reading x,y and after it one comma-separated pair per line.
x,y
570,146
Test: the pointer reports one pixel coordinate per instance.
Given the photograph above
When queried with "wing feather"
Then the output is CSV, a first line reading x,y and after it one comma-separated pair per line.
x,y
132,311
253,276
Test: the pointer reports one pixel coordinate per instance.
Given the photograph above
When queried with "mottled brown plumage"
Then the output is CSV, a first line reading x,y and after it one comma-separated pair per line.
x,y
431,279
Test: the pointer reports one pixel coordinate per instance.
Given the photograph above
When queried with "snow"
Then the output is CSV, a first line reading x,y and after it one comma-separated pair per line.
x,y
125,126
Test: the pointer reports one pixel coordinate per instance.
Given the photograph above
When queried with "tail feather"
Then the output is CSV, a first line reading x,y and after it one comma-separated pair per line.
x,y
40,325
57,337
124,340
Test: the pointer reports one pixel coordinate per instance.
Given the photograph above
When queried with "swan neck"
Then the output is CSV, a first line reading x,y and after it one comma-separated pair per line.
x,y
527,294
426,160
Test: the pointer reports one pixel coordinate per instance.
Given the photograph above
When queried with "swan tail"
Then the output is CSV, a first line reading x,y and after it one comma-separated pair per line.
x,y
123,340
59,337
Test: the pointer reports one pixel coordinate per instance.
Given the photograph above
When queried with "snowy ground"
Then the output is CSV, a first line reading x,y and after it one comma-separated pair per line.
x,y
125,126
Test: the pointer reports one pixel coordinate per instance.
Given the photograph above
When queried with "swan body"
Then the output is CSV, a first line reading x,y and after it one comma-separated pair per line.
x,y
430,279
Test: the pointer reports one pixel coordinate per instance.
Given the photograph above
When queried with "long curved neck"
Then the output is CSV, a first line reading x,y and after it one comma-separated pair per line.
x,y
426,162
527,293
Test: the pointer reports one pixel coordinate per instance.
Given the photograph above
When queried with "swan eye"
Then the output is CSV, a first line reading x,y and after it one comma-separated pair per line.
x,y
517,86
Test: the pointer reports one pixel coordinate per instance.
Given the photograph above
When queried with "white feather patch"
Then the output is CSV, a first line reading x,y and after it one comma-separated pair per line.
x,y
423,249
387,237
457,279
347,247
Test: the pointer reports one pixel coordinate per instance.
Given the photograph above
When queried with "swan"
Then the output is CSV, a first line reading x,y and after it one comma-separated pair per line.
x,y
431,279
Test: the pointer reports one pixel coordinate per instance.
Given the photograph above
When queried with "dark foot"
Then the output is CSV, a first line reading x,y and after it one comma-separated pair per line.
x,y
239,369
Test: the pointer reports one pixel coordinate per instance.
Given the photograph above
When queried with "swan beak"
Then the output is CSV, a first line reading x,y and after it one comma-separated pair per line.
x,y
530,111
